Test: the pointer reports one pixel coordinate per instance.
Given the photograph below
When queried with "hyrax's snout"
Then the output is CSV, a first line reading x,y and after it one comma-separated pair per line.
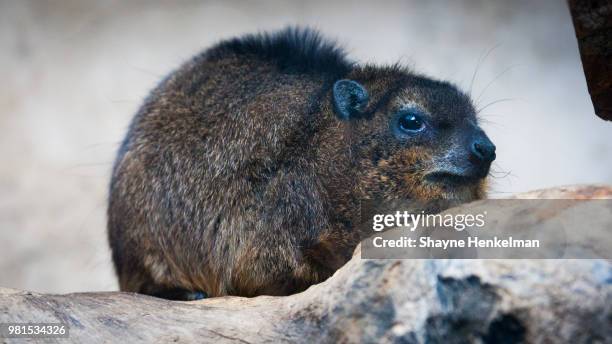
x,y
467,161
482,152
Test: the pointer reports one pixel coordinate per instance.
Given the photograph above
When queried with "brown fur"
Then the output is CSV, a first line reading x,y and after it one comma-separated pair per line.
x,y
237,177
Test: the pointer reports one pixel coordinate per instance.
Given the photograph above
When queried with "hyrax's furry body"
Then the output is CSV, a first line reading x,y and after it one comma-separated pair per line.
x,y
239,175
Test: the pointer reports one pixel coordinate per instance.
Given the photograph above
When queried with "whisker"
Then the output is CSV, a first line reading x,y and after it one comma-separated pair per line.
x,y
495,102
93,164
498,173
143,70
499,75
481,60
494,192
501,176
489,115
487,121
102,144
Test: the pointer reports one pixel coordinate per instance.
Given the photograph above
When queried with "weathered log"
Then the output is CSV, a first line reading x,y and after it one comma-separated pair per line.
x,y
407,301
593,25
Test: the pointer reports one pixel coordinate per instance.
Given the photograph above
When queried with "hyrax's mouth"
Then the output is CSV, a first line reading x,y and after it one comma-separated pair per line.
x,y
452,179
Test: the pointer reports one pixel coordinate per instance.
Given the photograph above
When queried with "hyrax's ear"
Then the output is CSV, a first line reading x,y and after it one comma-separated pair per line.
x,y
350,99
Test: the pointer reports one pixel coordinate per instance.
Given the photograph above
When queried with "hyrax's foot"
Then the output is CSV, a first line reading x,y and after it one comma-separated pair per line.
x,y
180,295
196,295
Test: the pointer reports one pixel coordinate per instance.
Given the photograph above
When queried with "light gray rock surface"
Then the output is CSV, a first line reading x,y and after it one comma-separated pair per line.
x,y
387,301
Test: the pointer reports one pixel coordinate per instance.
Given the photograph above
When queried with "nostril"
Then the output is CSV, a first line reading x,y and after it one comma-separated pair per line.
x,y
483,151
477,150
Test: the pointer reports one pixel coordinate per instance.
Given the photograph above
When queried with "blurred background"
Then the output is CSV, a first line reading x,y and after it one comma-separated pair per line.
x,y
73,74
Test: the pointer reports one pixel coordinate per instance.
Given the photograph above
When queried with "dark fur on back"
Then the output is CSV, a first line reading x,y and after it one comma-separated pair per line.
x,y
294,49
237,177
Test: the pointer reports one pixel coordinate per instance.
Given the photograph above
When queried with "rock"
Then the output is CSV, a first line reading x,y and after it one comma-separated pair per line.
x,y
399,301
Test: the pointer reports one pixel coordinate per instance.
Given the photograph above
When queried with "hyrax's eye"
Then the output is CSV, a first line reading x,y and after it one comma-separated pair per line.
x,y
411,122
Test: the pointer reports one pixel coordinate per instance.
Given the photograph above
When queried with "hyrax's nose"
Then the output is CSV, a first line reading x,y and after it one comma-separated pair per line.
x,y
483,150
